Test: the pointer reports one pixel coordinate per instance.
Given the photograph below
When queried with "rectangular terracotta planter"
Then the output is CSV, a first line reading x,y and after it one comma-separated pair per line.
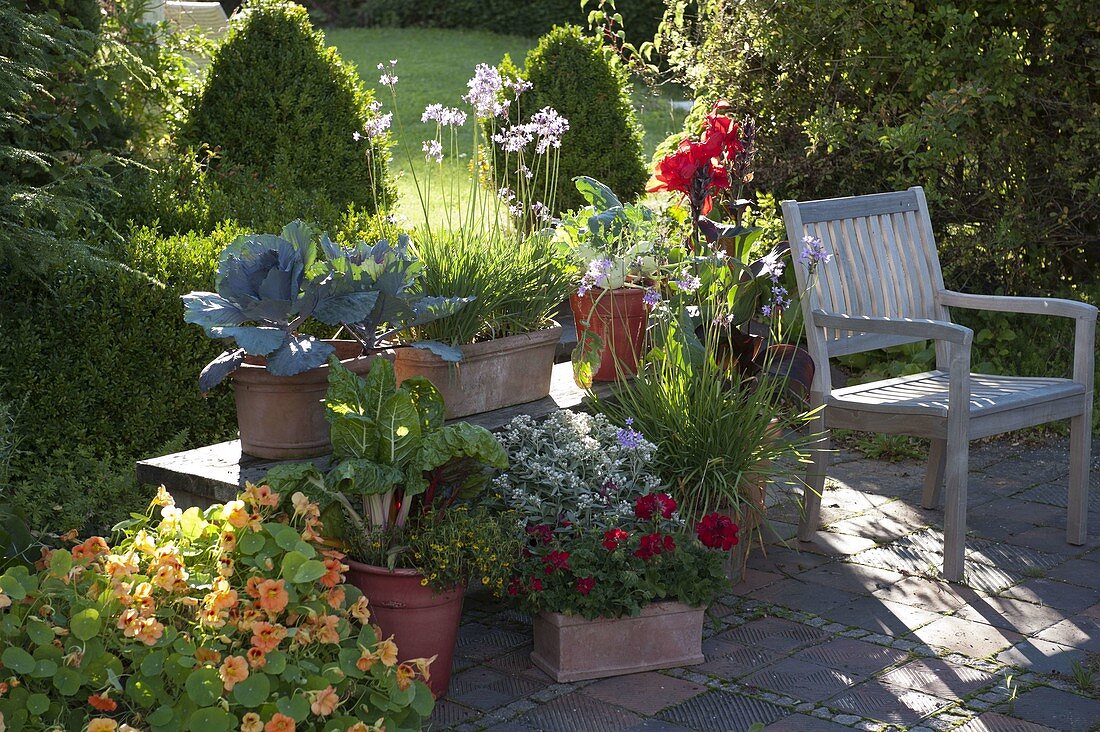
x,y
664,635
492,374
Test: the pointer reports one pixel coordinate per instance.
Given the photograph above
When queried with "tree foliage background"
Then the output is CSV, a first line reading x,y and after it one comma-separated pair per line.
x,y
992,106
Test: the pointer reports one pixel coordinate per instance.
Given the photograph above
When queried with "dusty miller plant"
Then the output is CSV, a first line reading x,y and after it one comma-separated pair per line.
x,y
574,468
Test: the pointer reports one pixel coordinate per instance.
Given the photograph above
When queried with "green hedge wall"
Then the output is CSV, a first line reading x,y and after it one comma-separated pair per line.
x,y
517,17
102,369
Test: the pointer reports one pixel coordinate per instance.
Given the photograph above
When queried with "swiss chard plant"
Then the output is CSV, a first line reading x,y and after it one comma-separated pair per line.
x,y
394,459
268,286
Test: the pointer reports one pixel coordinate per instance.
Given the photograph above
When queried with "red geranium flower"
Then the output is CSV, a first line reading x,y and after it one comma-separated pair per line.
x,y
555,560
514,586
542,532
536,584
654,544
613,538
646,506
717,531
585,584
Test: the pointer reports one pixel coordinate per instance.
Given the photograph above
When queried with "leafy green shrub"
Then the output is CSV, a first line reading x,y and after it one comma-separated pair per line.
x,y
589,86
513,17
985,104
103,364
276,120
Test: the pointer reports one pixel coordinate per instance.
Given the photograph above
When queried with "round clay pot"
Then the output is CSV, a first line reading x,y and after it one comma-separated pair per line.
x,y
423,622
283,417
620,318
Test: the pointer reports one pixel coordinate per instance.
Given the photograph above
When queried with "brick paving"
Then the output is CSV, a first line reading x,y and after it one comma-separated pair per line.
x,y
852,631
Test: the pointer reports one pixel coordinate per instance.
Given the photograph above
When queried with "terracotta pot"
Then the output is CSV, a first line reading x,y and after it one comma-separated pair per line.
x,y
620,318
748,521
665,635
492,374
423,623
283,417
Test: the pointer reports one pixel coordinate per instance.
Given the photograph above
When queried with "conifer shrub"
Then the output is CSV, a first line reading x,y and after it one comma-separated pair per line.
x,y
275,124
586,84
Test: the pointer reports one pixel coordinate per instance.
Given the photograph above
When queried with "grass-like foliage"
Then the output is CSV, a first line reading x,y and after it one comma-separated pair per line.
x,y
718,435
517,284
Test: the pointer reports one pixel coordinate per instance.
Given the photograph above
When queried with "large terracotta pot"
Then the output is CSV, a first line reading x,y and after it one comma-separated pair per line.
x,y
492,374
423,622
283,417
619,317
664,635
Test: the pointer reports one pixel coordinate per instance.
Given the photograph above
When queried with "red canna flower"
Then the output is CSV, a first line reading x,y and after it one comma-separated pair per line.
x,y
717,531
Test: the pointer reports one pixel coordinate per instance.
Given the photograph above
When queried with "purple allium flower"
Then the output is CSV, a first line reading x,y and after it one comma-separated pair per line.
x,y
772,266
629,437
541,210
515,138
387,78
378,125
688,282
525,172
598,270
505,193
484,94
814,252
516,209
433,150
444,116
766,311
651,298
549,126
517,85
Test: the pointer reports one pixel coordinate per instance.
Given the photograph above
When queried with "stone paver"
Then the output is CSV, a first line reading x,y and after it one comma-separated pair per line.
x,y
854,632
1058,709
976,640
646,693
939,678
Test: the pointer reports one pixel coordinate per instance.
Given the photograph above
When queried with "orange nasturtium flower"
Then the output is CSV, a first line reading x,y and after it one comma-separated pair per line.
x,y
273,595
102,724
325,702
387,652
279,723
251,722
233,671
102,703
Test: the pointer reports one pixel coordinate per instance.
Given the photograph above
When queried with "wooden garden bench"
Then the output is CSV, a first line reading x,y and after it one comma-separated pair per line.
x,y
883,287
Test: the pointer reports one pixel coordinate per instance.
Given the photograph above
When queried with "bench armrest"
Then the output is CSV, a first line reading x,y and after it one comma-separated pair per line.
x,y
918,328
1027,305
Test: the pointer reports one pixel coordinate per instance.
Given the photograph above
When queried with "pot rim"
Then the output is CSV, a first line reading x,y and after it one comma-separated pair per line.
x,y
486,349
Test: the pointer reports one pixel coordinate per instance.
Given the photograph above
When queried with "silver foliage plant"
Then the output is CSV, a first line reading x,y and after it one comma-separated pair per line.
x,y
576,468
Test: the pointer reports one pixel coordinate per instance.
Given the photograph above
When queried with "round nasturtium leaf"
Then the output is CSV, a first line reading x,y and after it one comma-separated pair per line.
x,y
61,561
212,719
86,624
295,707
44,668
310,570
66,681
253,691
250,543
39,633
153,664
204,686
38,704
161,717
18,660
276,662
286,537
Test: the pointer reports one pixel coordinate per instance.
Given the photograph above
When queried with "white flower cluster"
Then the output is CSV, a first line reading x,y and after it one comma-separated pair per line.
x,y
573,467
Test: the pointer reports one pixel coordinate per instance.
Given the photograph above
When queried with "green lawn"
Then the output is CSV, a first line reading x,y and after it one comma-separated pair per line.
x,y
433,66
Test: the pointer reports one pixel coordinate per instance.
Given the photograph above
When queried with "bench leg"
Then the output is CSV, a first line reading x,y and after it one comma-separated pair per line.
x,y
810,521
933,476
954,517
1080,444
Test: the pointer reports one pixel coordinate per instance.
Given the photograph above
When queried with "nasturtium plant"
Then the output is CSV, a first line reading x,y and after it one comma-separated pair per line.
x,y
232,618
